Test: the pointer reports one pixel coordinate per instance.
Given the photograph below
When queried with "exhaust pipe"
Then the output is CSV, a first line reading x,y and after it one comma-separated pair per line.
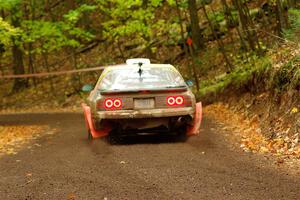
x,y
184,120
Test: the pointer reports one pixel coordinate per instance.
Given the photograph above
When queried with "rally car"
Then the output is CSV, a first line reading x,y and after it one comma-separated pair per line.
x,y
141,97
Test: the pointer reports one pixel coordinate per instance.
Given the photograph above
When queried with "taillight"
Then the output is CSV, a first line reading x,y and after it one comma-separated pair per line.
x,y
117,103
179,100
109,103
171,101
175,101
113,103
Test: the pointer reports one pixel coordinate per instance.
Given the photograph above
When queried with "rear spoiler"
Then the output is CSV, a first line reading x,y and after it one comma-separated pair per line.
x,y
143,91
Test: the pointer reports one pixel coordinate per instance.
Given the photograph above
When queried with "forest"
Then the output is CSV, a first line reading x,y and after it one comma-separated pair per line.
x,y
240,54
45,36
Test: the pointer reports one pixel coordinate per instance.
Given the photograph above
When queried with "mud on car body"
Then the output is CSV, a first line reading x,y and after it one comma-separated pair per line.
x,y
140,97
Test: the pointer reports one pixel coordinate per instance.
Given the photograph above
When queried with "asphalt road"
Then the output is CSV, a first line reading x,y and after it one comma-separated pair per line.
x,y
68,166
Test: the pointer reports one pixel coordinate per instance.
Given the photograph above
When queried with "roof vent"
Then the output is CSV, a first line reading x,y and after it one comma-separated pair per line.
x,y
138,61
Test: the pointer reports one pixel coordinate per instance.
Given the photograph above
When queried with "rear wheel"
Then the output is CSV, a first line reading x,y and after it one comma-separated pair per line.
x,y
90,137
181,132
115,136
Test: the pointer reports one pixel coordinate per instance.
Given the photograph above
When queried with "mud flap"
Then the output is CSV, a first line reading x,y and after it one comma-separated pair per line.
x,y
90,125
195,129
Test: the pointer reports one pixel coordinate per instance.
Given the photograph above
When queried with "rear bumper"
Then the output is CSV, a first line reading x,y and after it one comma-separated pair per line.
x,y
151,113
193,130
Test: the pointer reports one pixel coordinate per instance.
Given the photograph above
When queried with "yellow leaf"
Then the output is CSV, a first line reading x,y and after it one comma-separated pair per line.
x,y
294,110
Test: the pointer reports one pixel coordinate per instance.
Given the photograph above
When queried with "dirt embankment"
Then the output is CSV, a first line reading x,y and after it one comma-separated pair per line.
x,y
265,110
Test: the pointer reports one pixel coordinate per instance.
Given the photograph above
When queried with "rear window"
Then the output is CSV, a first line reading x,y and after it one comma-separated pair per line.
x,y
151,78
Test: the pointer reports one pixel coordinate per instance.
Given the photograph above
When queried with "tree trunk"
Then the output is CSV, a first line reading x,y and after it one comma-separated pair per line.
x,y
281,17
76,77
243,23
29,14
17,56
18,67
182,34
31,59
181,28
230,22
46,65
247,25
195,28
195,74
219,41
292,3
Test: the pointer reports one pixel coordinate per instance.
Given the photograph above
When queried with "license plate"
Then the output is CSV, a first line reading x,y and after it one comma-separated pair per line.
x,y
143,103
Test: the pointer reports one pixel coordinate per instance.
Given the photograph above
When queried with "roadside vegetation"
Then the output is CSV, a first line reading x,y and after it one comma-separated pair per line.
x,y
242,54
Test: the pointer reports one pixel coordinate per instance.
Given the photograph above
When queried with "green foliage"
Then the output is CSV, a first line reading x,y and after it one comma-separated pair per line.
x,y
216,17
235,18
52,35
254,12
13,6
9,4
134,20
7,32
74,15
218,21
293,33
46,35
237,78
173,2
282,79
288,76
183,4
205,2
127,18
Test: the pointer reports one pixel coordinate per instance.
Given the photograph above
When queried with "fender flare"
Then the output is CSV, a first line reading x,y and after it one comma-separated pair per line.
x,y
90,125
195,129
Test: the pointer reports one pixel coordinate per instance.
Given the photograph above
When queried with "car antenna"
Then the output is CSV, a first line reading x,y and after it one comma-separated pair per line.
x,y
140,69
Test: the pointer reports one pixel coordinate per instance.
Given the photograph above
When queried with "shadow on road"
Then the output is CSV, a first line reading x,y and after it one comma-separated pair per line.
x,y
145,139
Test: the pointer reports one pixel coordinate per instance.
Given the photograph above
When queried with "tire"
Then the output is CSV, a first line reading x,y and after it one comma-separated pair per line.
x,y
182,130
90,137
182,133
115,136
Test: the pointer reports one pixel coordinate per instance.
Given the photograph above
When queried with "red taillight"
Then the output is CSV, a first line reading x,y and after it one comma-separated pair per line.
x,y
113,103
179,100
171,101
175,101
117,103
109,103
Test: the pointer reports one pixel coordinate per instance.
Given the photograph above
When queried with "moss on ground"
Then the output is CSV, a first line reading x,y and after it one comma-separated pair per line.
x,y
239,77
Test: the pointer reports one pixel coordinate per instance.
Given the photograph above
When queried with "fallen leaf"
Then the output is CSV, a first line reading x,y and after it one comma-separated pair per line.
x,y
294,110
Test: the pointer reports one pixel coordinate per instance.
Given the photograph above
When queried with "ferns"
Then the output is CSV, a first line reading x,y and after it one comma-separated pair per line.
x,y
293,33
288,76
